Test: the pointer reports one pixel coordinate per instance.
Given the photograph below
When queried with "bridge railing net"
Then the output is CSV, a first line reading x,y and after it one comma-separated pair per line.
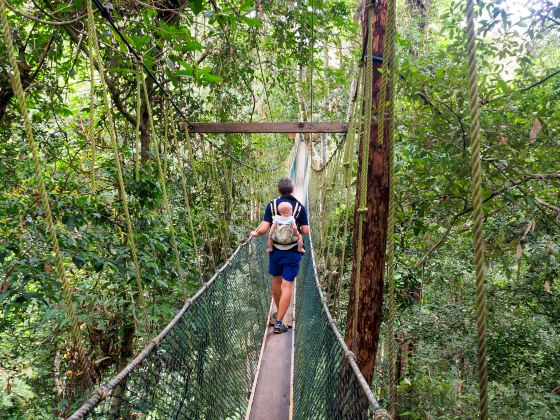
x,y
327,381
204,364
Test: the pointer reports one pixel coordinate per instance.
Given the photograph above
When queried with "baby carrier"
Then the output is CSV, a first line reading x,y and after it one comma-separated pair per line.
x,y
284,234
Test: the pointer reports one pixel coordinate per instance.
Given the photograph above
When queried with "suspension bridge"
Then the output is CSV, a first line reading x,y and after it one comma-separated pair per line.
x,y
194,369
217,357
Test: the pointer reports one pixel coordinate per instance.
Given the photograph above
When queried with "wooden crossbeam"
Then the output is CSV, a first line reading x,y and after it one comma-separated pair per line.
x,y
269,127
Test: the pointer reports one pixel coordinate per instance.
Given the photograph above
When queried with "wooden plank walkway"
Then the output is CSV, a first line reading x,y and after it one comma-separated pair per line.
x,y
271,396
272,393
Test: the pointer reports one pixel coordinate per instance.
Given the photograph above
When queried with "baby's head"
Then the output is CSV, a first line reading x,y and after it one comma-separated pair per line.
x,y
285,209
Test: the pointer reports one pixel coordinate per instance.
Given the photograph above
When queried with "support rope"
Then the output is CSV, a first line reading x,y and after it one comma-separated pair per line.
x,y
385,120
186,200
139,77
191,158
162,183
116,156
91,122
59,262
353,133
474,108
366,133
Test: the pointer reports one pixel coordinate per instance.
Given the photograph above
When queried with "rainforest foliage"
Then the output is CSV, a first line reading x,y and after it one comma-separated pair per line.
x,y
235,60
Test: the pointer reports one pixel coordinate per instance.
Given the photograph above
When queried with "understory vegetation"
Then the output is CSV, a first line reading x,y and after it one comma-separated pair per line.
x,y
237,60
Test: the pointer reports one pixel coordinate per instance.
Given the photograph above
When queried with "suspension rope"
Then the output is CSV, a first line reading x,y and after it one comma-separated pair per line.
x,y
217,190
186,200
194,169
91,123
340,195
385,119
117,160
162,183
353,133
366,133
59,262
474,108
165,139
332,226
139,76
107,16
312,59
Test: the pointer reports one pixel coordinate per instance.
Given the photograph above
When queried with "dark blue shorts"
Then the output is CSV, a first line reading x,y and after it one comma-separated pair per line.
x,y
284,263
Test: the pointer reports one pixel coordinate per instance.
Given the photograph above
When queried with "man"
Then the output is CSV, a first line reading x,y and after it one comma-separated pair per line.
x,y
284,259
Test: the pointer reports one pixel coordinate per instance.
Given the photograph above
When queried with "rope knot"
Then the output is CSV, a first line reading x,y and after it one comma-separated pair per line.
x,y
350,353
156,341
362,210
381,414
103,392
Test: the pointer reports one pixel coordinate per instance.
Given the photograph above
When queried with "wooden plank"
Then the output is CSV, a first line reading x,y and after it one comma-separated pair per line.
x,y
271,398
292,361
257,371
269,127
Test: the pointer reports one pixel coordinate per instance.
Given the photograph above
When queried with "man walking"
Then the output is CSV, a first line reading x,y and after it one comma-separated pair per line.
x,y
284,259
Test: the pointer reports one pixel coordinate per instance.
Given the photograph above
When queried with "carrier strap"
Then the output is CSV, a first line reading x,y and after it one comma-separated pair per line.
x,y
297,207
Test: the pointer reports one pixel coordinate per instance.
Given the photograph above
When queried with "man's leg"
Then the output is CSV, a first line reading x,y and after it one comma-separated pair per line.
x,y
276,290
285,298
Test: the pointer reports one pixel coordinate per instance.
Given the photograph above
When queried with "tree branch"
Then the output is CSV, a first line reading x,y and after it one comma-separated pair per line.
x,y
469,208
115,94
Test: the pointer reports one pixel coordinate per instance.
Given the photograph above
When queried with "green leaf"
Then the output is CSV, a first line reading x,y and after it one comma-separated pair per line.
x,y
78,261
203,71
503,86
196,6
251,21
212,78
191,46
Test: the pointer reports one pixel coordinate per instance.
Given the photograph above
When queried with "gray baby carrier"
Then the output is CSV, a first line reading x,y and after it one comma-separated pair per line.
x,y
284,234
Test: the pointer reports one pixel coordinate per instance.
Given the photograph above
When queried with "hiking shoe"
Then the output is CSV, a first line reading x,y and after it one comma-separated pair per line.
x,y
280,327
273,318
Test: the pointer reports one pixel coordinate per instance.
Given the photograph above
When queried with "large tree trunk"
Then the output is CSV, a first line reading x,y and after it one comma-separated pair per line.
x,y
369,281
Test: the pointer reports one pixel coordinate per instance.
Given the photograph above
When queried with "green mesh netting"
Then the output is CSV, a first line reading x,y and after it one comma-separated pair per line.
x,y
204,364
327,382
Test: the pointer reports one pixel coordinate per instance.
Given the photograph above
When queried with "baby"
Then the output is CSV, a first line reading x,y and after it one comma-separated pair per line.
x,y
284,229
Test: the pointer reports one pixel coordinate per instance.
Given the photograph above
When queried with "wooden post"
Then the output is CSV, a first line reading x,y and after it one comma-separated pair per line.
x,y
268,127
370,280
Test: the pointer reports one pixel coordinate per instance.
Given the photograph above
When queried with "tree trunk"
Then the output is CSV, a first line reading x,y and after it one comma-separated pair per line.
x,y
6,91
369,281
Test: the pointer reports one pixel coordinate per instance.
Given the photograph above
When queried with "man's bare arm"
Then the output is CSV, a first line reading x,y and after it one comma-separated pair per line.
x,y
262,229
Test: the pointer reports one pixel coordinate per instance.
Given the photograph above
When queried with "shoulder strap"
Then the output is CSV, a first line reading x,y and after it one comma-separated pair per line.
x,y
297,209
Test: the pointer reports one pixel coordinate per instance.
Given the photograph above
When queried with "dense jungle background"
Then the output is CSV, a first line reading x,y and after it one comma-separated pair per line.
x,y
234,60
